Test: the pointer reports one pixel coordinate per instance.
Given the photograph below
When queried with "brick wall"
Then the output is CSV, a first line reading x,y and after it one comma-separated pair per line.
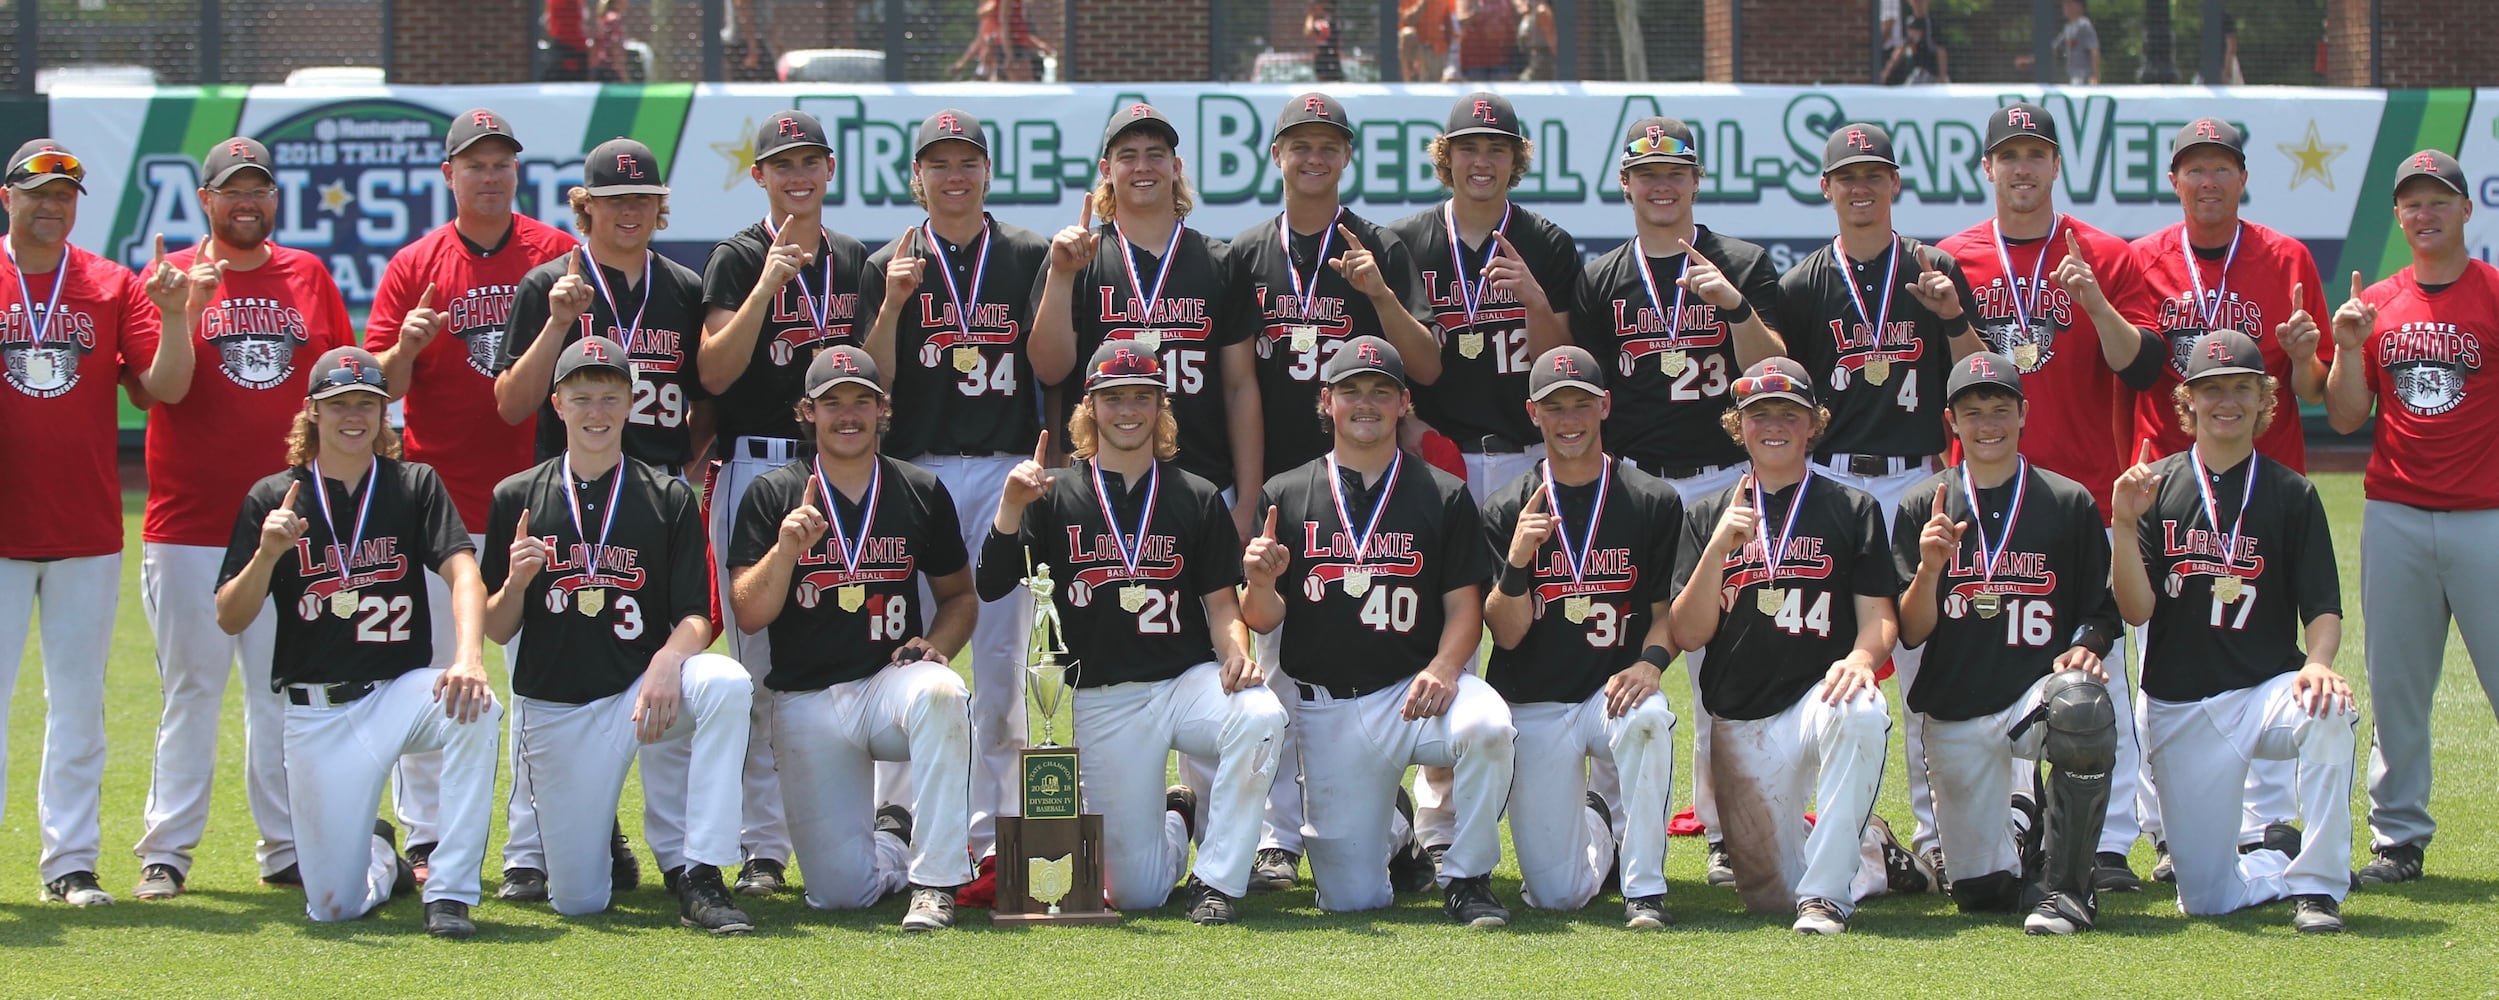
x,y
1131,40
463,41
2425,43
1787,41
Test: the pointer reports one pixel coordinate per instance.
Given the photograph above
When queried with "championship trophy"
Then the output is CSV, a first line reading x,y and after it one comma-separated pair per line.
x,y
1049,858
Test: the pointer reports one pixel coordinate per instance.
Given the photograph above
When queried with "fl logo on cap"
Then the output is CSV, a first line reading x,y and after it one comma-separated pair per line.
x,y
1858,139
2019,118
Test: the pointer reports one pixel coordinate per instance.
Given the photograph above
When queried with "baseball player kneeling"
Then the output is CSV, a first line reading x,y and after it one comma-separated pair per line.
x,y
611,599
1150,559
2240,546
1386,562
2005,588
355,648
855,678
1579,629
1788,586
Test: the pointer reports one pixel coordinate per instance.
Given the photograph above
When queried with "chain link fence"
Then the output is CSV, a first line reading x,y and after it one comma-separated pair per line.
x,y
2100,41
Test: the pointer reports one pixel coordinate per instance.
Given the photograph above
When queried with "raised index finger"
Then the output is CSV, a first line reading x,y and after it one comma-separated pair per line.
x,y
292,488
1939,501
572,263
426,301
1352,242
2355,275
809,500
1041,450
1692,253
2299,297
1744,487
521,530
160,261
2074,247
1085,218
1535,501
2143,452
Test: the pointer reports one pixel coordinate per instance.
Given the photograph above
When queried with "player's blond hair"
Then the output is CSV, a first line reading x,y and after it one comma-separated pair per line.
x,y
1520,166
1731,420
303,440
1084,435
579,199
2179,394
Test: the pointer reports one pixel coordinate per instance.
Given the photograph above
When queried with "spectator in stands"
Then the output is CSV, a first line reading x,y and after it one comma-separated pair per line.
x,y
1888,33
1921,59
1005,48
608,60
1537,40
568,41
1487,42
746,42
1423,39
1319,25
2078,45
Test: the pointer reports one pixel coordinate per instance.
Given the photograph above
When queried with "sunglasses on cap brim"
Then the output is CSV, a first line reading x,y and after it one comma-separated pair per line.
x,y
1752,385
1654,145
350,375
51,162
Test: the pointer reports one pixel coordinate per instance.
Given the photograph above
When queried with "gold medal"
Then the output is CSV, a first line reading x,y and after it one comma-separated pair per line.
x,y
41,370
1470,345
1673,362
1878,370
1357,582
1988,602
2226,589
2026,357
966,359
850,596
343,603
1576,609
590,601
1305,338
1770,600
1132,598
1149,338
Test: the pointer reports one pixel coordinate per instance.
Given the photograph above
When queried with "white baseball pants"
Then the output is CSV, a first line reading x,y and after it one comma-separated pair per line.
x,y
79,598
999,641
2200,753
1692,490
178,591
828,742
1354,755
337,759
1828,756
1564,848
1127,733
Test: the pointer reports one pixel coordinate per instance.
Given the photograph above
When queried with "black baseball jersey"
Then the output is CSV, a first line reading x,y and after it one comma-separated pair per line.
x,y
411,525
665,385
2050,581
653,572
1288,379
1624,572
1483,376
1190,324
823,637
954,396
1188,552
1760,663
1669,419
1886,392
759,403
2198,647
1429,542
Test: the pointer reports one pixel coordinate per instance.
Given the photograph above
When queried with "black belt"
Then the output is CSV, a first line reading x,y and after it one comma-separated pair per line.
x,y
766,449
1874,465
1489,444
944,453
1686,471
328,695
1340,692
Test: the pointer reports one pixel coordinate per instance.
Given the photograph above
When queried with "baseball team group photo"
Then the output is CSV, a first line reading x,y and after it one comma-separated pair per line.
x,y
1328,603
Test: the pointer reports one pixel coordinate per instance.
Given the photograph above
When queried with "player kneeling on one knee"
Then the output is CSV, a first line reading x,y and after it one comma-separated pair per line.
x,y
1149,560
1385,562
1579,629
355,644
605,582
2005,586
2242,555
1788,587
828,553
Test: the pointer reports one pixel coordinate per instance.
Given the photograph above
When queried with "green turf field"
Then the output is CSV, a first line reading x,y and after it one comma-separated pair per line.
x,y
228,937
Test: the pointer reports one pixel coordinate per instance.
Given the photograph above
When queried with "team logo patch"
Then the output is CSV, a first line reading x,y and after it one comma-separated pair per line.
x,y
482,343
2182,346
2428,388
256,340
42,372
2029,348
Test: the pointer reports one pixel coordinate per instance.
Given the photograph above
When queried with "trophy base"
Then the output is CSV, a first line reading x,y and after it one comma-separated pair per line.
x,y
1079,839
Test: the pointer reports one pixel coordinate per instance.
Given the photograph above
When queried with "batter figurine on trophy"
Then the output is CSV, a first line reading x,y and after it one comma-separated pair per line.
x,y
1050,857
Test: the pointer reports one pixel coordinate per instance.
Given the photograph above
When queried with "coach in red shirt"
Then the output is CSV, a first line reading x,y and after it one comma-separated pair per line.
x,y
2412,349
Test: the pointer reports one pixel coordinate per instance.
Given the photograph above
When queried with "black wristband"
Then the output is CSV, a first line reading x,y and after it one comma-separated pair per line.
x,y
1516,579
1958,326
1743,311
1657,656
2090,637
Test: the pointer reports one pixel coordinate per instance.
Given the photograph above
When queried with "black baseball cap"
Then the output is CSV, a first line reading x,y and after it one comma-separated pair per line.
x,y
1659,140
2225,352
2429,163
1483,113
1364,356
41,161
2208,132
950,124
474,124
1775,378
786,130
1858,142
2020,121
839,365
343,370
622,166
1980,370
1122,362
233,156
1138,116
593,352
1313,108
1565,368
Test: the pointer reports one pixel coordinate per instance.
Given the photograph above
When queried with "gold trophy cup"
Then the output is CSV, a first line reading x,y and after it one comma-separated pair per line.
x,y
1050,857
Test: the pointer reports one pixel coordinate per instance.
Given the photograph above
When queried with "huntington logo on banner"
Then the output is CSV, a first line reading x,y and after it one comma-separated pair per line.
x,y
357,180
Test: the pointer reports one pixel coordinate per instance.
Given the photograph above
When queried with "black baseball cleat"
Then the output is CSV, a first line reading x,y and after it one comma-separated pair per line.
x,y
403,878
624,871
1906,871
2316,913
77,889
1410,870
1183,800
2113,874
2394,863
1642,913
1275,870
421,858
762,877
523,885
1470,901
703,901
1208,906
2164,868
449,918
2281,837
1720,870
2058,915
287,876
895,820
